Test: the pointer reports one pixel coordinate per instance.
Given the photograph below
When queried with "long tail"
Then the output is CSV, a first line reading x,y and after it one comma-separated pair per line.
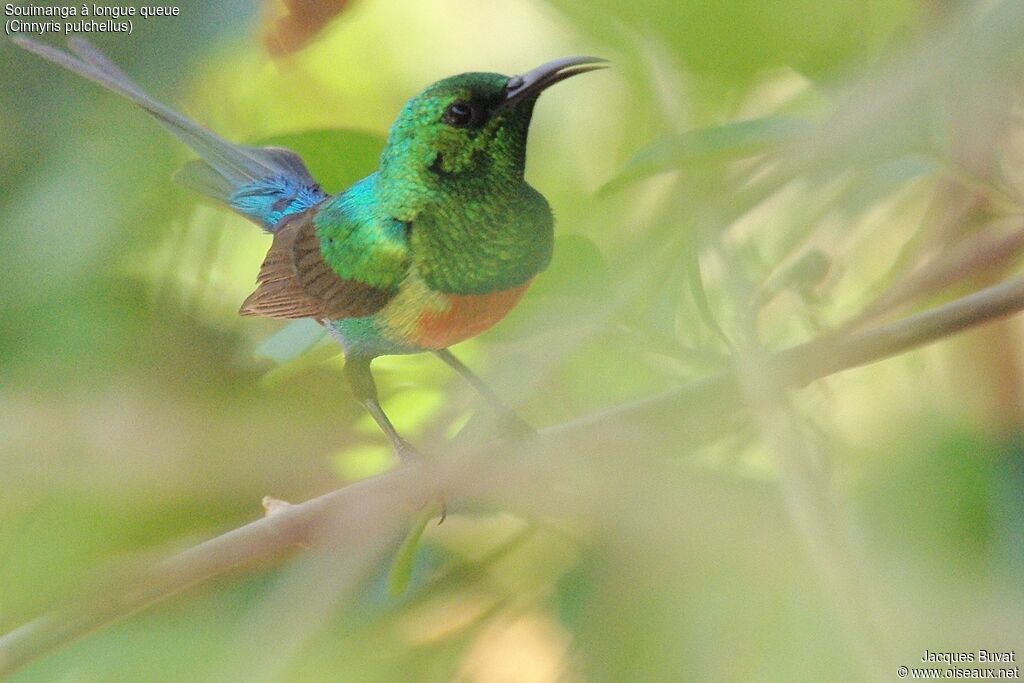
x,y
262,183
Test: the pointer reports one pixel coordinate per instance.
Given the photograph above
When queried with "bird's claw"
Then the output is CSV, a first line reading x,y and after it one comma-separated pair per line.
x,y
517,429
443,513
409,455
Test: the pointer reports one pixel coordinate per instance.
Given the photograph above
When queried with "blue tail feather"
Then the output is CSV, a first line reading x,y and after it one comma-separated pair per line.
x,y
263,184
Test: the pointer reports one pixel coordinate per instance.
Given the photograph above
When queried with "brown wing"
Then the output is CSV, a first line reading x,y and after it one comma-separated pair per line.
x,y
295,282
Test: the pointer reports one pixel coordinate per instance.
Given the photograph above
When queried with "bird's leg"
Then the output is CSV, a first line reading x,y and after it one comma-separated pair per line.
x,y
511,422
357,372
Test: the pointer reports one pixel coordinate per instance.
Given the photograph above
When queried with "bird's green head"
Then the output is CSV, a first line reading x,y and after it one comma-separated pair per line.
x,y
465,134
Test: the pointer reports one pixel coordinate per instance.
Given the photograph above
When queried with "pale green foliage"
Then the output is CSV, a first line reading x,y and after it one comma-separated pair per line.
x,y
749,175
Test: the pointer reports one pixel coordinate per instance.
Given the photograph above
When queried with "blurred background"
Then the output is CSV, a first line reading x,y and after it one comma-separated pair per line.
x,y
749,175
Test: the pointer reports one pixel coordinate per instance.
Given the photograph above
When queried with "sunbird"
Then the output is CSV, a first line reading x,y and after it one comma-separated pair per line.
x,y
434,247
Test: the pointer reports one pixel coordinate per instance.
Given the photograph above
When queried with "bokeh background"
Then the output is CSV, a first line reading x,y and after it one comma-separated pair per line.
x,y
749,175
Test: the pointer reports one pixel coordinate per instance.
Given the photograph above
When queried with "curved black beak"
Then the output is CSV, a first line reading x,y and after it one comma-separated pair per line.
x,y
544,76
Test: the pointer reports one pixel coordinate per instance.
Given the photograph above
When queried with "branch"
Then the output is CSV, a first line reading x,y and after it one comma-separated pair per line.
x,y
697,406
270,538
713,401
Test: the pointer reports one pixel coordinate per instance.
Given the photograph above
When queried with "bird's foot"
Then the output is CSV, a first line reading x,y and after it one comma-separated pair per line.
x,y
409,455
516,428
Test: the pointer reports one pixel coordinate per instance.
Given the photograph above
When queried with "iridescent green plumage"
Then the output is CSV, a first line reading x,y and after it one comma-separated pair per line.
x,y
476,226
431,249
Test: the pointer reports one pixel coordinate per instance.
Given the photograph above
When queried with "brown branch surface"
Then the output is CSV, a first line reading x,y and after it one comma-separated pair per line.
x,y
695,407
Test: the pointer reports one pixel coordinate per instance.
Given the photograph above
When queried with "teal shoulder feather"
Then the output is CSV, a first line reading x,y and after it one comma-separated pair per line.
x,y
336,260
359,242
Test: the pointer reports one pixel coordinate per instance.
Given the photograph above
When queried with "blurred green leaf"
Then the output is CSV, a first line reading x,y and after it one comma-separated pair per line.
x,y
405,558
695,281
934,500
706,146
801,274
578,271
731,42
574,591
303,359
336,158
363,461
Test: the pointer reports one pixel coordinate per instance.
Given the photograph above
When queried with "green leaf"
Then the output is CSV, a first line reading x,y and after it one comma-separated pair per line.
x,y
401,567
578,270
800,275
695,280
363,461
336,158
704,147
731,42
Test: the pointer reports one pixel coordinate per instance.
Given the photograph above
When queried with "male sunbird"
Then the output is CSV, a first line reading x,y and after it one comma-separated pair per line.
x,y
433,248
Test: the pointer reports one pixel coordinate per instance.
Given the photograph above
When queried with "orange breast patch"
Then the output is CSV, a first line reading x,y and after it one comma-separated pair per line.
x,y
468,316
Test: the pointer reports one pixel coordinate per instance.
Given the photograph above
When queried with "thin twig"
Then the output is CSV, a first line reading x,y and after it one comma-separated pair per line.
x,y
274,536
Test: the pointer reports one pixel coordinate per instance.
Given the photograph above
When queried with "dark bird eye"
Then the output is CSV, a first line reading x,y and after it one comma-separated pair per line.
x,y
461,114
